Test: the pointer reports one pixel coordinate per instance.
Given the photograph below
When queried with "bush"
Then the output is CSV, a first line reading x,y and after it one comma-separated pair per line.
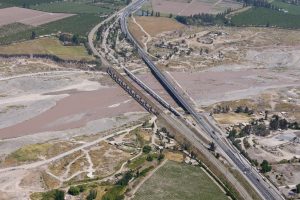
x,y
92,195
82,188
149,158
145,171
114,193
298,188
146,149
160,157
265,167
54,194
74,190
125,179
59,195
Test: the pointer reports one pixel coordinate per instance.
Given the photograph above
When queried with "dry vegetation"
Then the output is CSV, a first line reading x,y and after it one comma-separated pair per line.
x,y
232,118
49,181
59,167
35,152
157,25
107,158
174,156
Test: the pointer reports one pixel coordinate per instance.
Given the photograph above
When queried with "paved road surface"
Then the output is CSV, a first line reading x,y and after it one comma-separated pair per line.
x,y
264,189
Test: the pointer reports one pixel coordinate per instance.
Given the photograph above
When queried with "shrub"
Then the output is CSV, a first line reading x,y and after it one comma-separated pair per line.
x,y
146,149
74,190
149,158
92,195
298,188
265,167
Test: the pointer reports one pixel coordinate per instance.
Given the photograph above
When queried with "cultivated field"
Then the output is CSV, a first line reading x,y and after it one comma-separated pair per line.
x,y
191,7
85,16
29,17
9,29
267,17
47,46
179,182
71,7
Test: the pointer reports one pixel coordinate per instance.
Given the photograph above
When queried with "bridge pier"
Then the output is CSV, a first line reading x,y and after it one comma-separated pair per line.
x,y
133,91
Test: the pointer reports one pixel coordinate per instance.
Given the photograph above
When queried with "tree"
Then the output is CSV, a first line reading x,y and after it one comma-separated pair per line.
x,y
74,190
75,39
212,146
147,149
246,109
274,123
239,109
283,123
298,188
163,129
255,162
149,158
265,166
266,114
246,130
33,35
92,195
232,134
160,157
82,188
125,179
59,195
260,129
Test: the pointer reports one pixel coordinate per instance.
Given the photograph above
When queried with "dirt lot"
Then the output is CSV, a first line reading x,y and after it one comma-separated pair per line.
x,y
191,7
157,25
28,17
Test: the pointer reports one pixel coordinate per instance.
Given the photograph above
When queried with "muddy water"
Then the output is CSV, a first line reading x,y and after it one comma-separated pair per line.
x,y
75,111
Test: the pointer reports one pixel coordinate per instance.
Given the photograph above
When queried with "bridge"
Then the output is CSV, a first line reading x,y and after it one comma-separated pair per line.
x,y
142,99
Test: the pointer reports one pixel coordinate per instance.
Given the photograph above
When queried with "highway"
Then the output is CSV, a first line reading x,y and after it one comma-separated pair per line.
x,y
265,189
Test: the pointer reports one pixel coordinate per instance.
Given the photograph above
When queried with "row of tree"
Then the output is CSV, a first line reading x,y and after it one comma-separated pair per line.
x,y
294,2
280,123
148,13
204,19
256,3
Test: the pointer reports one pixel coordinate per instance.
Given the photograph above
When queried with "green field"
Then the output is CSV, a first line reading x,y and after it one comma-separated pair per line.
x,y
72,7
88,14
47,46
266,17
292,9
79,24
13,28
179,182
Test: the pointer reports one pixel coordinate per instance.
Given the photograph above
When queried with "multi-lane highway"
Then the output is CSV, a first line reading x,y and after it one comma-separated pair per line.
x,y
266,190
